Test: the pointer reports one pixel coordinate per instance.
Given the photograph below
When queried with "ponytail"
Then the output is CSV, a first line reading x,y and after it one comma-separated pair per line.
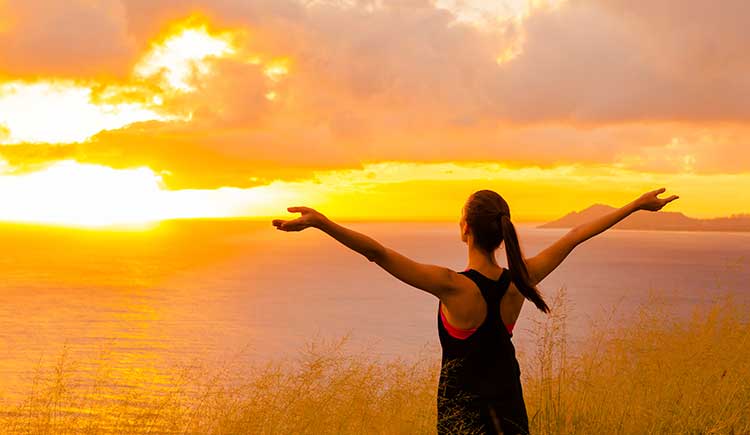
x,y
519,274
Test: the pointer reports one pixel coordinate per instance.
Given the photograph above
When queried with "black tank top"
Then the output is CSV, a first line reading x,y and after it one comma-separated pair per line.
x,y
480,387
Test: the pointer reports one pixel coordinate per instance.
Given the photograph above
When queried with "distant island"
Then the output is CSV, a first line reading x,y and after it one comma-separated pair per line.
x,y
663,221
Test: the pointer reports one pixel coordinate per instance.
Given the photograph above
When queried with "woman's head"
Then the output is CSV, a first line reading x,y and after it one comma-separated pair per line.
x,y
486,220
481,219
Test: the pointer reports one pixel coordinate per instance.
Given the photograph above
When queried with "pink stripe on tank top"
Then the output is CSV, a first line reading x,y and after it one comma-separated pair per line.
x,y
463,334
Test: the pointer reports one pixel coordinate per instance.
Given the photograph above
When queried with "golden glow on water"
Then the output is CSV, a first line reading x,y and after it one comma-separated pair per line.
x,y
134,303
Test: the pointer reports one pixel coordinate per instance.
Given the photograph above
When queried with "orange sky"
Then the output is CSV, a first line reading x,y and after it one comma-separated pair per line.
x,y
130,111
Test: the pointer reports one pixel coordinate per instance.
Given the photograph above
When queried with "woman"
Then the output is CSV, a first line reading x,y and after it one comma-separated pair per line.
x,y
479,389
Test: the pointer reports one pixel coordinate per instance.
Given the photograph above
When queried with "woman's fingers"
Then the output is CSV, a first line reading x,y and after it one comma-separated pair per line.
x,y
670,199
284,226
290,225
297,224
655,193
651,201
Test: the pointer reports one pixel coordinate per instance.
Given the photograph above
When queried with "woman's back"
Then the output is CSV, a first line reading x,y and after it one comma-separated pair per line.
x,y
479,388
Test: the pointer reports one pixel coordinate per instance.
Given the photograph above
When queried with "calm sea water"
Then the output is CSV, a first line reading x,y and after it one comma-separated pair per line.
x,y
226,290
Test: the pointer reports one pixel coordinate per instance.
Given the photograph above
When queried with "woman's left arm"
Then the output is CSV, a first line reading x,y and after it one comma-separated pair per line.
x,y
437,280
548,260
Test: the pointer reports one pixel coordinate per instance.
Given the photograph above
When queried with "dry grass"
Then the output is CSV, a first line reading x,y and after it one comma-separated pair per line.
x,y
657,375
327,389
653,374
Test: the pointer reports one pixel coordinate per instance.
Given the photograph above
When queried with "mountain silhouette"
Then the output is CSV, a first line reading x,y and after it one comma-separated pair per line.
x,y
646,220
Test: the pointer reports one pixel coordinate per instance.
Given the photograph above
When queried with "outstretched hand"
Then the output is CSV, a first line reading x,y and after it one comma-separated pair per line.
x,y
309,218
650,201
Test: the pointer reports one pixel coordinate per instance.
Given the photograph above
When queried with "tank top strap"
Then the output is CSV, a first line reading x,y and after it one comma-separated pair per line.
x,y
492,290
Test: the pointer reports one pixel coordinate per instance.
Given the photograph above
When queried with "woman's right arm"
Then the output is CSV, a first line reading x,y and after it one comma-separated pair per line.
x,y
549,259
437,280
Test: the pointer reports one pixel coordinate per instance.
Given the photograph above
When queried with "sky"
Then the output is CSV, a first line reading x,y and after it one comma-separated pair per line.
x,y
126,111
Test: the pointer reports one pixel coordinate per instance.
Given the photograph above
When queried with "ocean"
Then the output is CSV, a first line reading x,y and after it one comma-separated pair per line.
x,y
241,290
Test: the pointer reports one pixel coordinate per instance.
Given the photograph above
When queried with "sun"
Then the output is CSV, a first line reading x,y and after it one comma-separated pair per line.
x,y
52,110
77,194
86,195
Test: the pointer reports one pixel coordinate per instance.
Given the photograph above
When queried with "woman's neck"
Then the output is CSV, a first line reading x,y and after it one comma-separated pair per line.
x,y
482,260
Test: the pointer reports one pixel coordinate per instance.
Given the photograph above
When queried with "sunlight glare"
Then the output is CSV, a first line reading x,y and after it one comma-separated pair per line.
x,y
75,194
72,193
181,56
277,69
61,112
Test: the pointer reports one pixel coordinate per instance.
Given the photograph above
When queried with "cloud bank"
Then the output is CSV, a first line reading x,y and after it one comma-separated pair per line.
x,y
322,85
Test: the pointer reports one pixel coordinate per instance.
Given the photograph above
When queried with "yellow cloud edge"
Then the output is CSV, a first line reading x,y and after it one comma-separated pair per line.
x,y
73,111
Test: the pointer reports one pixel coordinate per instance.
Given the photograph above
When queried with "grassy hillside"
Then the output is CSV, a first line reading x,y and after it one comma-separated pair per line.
x,y
652,375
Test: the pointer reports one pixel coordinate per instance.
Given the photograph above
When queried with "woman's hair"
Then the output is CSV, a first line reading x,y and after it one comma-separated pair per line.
x,y
488,217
